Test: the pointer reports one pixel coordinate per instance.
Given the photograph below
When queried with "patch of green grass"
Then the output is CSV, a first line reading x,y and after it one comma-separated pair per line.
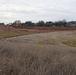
x,y
70,43
8,34
40,42
45,42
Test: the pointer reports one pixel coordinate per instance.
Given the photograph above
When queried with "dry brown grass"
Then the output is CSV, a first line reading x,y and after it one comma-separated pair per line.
x,y
69,39
70,43
27,59
46,41
35,59
7,33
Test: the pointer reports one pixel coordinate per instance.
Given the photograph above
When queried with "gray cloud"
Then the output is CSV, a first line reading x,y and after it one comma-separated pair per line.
x,y
36,10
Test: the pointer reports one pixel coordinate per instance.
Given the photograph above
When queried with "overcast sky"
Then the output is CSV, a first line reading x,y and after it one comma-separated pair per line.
x,y
35,10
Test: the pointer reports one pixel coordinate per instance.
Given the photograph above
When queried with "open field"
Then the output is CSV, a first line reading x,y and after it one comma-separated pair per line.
x,y
48,38
13,32
39,53
32,59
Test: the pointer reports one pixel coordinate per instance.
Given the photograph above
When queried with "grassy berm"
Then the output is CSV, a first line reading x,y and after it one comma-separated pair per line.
x,y
8,32
27,59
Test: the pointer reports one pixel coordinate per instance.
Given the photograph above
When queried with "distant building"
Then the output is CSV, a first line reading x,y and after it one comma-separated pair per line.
x,y
9,24
71,24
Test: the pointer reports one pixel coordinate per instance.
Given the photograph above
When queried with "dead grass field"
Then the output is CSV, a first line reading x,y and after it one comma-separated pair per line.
x,y
32,59
7,33
70,39
38,54
49,38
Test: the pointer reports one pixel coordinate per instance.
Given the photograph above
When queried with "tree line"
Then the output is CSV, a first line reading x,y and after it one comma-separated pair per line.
x,y
61,23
